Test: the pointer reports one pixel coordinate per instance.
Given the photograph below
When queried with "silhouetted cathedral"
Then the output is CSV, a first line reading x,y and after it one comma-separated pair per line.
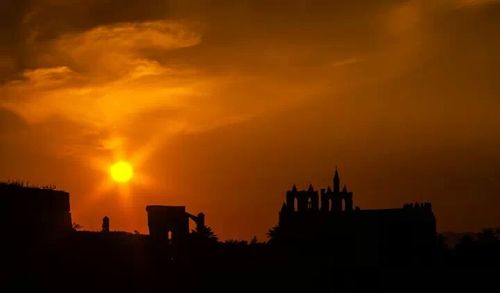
x,y
308,200
355,236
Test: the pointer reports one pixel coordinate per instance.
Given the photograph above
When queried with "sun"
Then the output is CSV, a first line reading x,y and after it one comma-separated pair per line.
x,y
121,171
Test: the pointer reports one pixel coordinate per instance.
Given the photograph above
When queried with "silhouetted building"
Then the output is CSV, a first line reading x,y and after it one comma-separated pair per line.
x,y
355,236
168,223
33,212
105,224
171,222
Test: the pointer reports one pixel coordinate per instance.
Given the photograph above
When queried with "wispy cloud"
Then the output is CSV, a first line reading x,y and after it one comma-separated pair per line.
x,y
101,75
348,61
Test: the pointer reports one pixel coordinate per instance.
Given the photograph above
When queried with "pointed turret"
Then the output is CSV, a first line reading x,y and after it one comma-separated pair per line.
x,y
344,190
310,188
336,181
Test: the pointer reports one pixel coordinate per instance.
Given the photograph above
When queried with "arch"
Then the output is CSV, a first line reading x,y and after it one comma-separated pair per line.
x,y
168,223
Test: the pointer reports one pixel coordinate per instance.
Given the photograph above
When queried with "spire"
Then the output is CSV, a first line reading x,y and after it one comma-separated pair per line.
x,y
310,188
294,188
344,189
336,181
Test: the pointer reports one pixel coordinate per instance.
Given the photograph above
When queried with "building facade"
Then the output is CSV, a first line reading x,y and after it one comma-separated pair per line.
x,y
326,219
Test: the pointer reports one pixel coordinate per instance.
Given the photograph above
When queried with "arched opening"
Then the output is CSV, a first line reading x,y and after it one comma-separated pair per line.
x,y
309,203
295,204
169,236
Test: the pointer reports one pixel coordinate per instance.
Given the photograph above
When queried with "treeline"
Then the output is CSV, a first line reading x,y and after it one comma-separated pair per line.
x,y
471,249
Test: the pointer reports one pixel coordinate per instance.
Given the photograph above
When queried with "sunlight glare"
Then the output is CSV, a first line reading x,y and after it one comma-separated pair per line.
x,y
121,171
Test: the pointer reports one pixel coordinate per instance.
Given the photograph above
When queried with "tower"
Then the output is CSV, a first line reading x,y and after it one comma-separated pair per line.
x,y
313,199
336,182
347,199
105,224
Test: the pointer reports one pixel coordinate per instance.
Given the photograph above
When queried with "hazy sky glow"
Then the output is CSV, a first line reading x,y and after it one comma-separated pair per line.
x,y
222,105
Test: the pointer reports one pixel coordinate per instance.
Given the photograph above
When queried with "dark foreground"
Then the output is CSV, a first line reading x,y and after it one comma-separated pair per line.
x,y
122,262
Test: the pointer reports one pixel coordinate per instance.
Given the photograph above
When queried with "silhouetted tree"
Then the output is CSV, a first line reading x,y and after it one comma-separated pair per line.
x,y
487,236
205,232
77,226
234,242
273,233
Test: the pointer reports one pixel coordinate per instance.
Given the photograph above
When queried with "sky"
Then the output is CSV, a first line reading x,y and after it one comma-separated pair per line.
x,y
222,105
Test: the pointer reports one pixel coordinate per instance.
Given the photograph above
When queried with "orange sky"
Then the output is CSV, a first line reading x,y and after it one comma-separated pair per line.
x,y
222,105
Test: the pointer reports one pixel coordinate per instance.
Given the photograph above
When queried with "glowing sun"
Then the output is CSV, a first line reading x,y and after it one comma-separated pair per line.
x,y
121,171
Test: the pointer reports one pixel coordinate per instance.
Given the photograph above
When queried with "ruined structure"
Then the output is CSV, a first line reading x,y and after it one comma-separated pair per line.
x,y
32,212
171,222
105,224
356,236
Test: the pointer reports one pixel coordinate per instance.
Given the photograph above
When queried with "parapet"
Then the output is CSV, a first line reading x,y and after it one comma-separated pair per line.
x,y
425,206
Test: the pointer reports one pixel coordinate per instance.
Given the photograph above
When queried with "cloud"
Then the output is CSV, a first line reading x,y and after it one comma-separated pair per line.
x,y
348,61
102,74
116,49
110,78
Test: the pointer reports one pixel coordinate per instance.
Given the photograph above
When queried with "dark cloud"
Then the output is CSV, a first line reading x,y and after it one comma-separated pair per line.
x,y
50,18
25,25
12,13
